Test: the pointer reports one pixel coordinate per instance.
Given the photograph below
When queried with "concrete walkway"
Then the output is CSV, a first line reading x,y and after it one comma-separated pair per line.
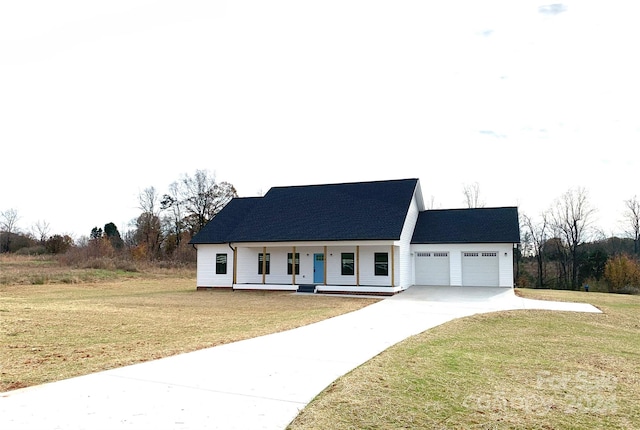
x,y
258,383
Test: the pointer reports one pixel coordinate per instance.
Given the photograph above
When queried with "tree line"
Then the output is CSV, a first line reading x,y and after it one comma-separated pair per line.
x,y
561,248
162,231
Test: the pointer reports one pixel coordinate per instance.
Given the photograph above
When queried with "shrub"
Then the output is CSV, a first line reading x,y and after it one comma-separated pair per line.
x,y
58,244
126,265
622,273
32,250
39,280
525,280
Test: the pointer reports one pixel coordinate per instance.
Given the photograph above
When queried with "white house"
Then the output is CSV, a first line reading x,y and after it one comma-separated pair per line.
x,y
364,237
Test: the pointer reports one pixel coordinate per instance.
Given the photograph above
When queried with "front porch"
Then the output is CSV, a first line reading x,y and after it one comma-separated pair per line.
x,y
344,267
324,289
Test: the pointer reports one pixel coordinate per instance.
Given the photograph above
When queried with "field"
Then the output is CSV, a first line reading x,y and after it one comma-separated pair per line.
x,y
57,322
519,369
507,370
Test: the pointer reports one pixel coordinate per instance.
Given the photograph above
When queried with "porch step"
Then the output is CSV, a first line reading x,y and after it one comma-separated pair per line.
x,y
308,288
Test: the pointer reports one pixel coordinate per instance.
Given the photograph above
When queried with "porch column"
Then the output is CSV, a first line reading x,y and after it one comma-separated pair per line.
x,y
325,265
235,265
264,264
293,266
357,265
393,267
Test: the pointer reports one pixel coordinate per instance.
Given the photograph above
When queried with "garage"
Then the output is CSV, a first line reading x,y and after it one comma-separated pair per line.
x,y
480,269
432,268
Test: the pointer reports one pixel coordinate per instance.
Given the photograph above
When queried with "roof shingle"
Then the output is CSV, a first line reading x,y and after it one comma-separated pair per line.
x,y
348,211
478,225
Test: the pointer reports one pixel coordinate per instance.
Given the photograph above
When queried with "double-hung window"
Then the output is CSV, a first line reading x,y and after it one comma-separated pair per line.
x,y
381,263
347,263
221,264
290,263
261,260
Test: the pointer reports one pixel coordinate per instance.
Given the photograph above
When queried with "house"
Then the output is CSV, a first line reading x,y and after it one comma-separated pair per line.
x,y
364,237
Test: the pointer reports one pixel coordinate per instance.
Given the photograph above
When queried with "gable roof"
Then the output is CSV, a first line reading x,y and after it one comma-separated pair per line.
x,y
347,211
478,225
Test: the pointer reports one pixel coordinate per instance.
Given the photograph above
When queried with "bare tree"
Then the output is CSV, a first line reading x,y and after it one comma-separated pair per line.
x,y
203,198
632,217
171,202
538,232
472,195
571,218
431,203
8,221
41,230
148,200
148,226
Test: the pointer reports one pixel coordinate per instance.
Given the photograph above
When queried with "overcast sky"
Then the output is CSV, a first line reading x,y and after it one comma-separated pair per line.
x,y
99,100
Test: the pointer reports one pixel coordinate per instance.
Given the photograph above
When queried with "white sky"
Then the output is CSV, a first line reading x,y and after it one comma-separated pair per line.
x,y
99,100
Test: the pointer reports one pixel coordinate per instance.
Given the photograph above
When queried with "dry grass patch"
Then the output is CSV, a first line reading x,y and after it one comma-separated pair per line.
x,y
519,369
55,331
45,269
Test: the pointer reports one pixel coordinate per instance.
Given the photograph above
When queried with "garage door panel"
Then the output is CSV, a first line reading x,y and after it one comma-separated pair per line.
x,y
480,268
432,268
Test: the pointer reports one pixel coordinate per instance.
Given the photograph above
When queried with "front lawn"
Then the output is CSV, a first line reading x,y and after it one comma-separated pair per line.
x,y
516,369
53,331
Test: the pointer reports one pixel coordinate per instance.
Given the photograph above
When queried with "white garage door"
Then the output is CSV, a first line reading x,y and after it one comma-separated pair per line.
x,y
432,268
480,269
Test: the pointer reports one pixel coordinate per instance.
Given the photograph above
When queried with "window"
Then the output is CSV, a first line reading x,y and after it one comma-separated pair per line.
x,y
221,264
290,263
381,264
347,263
260,260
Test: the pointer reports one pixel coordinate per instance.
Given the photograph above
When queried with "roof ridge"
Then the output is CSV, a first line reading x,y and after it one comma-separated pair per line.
x,y
345,183
468,209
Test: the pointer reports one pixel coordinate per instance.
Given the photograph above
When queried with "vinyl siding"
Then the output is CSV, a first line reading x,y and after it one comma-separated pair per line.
x,y
334,266
404,272
248,265
505,262
206,267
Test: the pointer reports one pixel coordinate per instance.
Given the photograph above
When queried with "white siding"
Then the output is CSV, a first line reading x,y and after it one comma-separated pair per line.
x,y
306,263
505,259
404,272
248,264
334,266
206,266
367,266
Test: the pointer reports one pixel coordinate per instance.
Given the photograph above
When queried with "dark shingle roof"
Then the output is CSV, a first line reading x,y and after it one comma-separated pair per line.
x,y
481,225
226,221
348,211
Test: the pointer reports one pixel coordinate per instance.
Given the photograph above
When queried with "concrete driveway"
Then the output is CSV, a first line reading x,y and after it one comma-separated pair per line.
x,y
259,383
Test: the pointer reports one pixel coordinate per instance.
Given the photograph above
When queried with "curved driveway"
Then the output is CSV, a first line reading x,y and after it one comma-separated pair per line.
x,y
258,383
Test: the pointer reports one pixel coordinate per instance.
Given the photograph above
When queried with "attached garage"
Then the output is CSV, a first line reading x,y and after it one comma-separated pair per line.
x,y
432,268
465,247
480,269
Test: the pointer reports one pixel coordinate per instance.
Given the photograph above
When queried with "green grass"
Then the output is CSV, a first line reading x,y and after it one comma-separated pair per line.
x,y
517,369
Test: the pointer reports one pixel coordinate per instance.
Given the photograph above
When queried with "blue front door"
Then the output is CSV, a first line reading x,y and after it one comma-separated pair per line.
x,y
318,268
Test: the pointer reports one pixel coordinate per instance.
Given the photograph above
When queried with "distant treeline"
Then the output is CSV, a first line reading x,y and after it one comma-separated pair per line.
x,y
561,248
162,231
